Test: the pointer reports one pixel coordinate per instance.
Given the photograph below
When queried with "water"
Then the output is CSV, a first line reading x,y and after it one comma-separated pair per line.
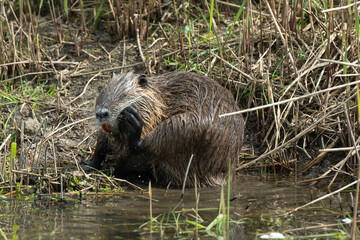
x,y
258,207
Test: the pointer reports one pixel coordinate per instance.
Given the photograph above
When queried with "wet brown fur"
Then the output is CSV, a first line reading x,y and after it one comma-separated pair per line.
x,y
180,112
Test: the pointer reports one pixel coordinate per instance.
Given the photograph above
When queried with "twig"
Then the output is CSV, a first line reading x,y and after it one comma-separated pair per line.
x,y
84,90
22,158
341,63
94,57
239,6
4,142
150,202
185,177
124,54
138,43
130,184
31,174
347,75
337,166
323,197
281,35
291,99
68,125
165,34
41,143
227,64
322,226
44,62
109,54
318,158
338,149
81,142
339,8
25,75
54,156
33,140
358,173
303,133
106,69
61,187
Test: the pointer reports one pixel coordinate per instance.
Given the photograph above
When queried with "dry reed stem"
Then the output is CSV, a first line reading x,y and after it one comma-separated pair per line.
x,y
87,84
321,226
291,99
197,198
297,137
78,74
319,157
186,176
340,8
139,44
67,126
5,141
281,35
323,197
356,205
150,205
339,149
130,184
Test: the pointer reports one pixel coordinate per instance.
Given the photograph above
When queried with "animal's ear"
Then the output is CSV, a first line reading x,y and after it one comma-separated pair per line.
x,y
142,80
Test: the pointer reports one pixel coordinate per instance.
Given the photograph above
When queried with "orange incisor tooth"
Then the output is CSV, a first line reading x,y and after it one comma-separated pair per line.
x,y
105,126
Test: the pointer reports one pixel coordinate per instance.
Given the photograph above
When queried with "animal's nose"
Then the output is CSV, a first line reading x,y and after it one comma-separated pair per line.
x,y
102,114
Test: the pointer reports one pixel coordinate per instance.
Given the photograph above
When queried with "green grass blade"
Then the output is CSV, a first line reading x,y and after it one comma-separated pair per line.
x,y
13,149
228,200
357,22
203,16
240,11
98,13
3,235
194,223
41,3
7,120
217,220
211,14
358,98
66,7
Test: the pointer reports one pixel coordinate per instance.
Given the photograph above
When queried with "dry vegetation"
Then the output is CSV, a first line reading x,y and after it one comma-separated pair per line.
x,y
292,67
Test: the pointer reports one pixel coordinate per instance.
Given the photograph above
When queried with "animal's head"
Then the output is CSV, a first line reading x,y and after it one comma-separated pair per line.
x,y
124,91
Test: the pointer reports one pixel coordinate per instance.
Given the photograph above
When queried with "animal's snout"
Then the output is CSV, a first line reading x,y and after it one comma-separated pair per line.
x,y
102,114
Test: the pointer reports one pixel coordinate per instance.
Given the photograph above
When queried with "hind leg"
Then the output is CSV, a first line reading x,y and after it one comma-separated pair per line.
x,y
174,140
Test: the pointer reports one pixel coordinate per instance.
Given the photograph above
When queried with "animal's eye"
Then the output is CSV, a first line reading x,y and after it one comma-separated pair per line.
x,y
142,80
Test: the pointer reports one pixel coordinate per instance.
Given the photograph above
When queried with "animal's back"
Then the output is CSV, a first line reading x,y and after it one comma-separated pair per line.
x,y
193,127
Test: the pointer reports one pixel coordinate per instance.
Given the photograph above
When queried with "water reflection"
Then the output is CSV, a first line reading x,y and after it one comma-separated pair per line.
x,y
257,207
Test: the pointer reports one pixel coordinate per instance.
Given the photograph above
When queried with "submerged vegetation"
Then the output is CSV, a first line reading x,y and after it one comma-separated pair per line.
x,y
293,67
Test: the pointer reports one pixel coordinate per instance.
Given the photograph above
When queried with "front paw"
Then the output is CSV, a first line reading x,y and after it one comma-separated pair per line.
x,y
86,166
132,124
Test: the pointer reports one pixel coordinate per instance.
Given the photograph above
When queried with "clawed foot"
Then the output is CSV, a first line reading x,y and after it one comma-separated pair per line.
x,y
132,123
86,166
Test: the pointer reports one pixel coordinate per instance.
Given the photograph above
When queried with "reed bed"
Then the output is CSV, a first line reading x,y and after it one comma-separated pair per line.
x,y
293,68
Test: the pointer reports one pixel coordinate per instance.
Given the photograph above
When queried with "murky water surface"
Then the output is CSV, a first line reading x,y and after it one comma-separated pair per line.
x,y
257,207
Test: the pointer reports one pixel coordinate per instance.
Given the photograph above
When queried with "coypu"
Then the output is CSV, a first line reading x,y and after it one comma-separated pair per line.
x,y
155,124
